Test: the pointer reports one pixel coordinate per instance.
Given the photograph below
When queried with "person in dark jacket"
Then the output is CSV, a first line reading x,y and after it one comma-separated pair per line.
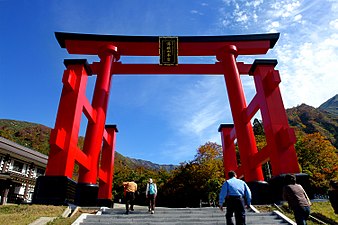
x,y
297,199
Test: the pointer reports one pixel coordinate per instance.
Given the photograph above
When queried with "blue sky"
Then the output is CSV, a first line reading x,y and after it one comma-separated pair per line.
x,y
163,119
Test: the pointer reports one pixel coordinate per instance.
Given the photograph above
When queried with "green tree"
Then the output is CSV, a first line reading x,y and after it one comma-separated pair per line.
x,y
258,127
199,179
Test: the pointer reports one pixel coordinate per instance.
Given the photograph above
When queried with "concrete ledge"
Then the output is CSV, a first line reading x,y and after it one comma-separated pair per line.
x,y
253,209
285,218
75,211
67,212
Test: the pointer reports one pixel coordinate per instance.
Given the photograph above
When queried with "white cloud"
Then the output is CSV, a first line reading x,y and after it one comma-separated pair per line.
x,y
307,50
334,24
228,2
193,11
240,14
199,106
273,27
196,12
334,6
308,56
250,14
241,17
285,8
286,12
202,119
298,17
307,72
226,23
254,3
183,150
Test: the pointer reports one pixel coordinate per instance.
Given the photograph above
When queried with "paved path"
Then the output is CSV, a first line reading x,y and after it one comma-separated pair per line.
x,y
170,216
42,221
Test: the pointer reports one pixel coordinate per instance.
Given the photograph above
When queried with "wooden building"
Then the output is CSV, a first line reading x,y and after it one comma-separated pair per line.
x,y
19,168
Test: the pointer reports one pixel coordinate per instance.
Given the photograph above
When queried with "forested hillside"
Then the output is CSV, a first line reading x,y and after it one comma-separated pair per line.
x,y
30,135
310,120
36,136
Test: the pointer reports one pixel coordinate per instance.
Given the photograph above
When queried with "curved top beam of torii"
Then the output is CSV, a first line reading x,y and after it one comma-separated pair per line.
x,y
89,44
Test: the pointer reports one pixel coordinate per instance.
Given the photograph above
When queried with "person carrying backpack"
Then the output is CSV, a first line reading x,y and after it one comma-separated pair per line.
x,y
151,193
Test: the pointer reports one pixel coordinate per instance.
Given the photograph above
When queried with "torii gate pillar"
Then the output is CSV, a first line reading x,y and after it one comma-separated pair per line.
x,y
280,137
58,187
245,136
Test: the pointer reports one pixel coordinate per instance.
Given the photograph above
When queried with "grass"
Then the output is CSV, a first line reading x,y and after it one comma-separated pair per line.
x,y
321,210
324,209
26,214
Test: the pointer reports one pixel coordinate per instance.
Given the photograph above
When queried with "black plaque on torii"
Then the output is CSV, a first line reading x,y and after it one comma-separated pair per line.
x,y
168,51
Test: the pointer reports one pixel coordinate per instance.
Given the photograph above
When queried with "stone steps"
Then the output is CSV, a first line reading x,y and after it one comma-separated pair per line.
x,y
169,216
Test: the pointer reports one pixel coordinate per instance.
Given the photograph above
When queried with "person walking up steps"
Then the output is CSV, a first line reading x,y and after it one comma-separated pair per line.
x,y
236,193
151,193
130,188
297,199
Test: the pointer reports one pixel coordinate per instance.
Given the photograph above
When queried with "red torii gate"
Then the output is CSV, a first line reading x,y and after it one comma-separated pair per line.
x,y
57,186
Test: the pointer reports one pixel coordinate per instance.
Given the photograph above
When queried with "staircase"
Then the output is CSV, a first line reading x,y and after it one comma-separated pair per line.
x,y
169,216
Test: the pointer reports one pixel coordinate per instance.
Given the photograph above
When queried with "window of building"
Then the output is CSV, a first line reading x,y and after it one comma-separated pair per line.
x,y
1,162
40,172
17,166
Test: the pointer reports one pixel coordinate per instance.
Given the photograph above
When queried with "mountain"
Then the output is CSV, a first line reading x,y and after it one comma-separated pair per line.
x,y
36,136
330,105
30,135
310,120
134,163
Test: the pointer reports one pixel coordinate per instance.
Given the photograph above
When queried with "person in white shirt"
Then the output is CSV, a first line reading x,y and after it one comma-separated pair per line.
x,y
151,193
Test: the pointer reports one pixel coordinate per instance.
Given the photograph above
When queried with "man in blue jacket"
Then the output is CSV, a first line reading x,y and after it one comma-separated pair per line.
x,y
237,194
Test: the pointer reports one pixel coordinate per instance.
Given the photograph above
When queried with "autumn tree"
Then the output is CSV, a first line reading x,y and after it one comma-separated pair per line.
x,y
208,152
318,158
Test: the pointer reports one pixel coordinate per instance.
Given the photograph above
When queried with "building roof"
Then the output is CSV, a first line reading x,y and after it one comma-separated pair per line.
x,y
22,153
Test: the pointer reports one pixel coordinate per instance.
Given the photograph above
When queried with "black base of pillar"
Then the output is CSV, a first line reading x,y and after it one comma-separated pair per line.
x,y
105,202
54,190
277,183
86,194
260,191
